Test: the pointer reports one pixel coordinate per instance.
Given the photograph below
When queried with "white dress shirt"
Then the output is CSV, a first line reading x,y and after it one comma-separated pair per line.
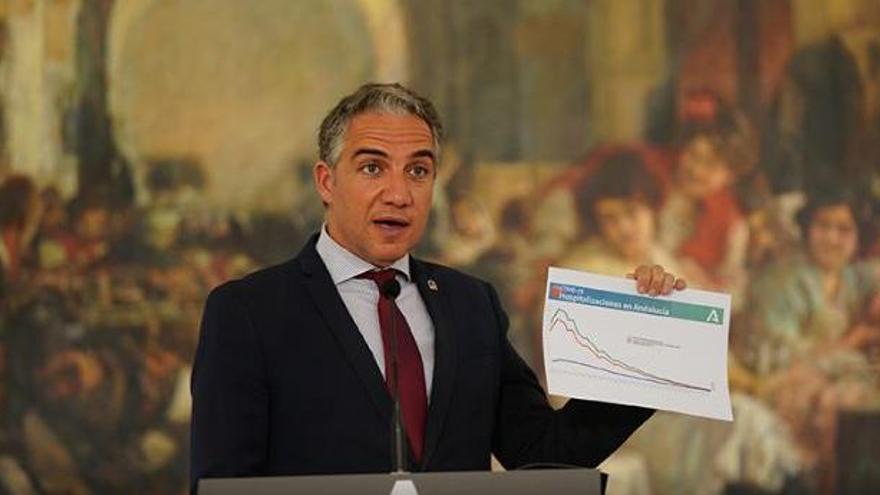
x,y
361,297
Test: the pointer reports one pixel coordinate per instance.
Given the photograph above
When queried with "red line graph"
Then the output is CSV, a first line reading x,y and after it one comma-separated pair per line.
x,y
562,319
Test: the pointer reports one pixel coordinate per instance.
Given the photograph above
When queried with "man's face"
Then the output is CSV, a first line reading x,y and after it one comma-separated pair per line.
x,y
833,237
627,224
378,194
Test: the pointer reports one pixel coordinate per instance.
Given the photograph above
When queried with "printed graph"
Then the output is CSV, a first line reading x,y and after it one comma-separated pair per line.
x,y
604,341
606,363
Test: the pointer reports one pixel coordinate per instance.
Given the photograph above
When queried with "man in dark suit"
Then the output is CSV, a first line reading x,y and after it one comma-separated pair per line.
x,y
290,372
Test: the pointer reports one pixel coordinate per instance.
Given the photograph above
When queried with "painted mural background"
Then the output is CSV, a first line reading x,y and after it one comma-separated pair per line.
x,y
151,149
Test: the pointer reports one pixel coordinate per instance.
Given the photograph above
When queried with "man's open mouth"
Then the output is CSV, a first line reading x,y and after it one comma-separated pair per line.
x,y
391,223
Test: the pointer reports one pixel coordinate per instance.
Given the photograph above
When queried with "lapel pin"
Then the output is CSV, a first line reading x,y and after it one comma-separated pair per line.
x,y
432,285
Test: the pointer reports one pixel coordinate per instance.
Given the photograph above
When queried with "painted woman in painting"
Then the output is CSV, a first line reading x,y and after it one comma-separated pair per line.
x,y
811,327
617,205
702,222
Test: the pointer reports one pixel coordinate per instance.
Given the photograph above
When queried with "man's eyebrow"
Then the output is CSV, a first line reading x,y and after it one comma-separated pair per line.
x,y
424,153
369,151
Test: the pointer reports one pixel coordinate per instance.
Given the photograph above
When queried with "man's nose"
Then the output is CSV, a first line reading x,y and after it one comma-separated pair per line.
x,y
397,190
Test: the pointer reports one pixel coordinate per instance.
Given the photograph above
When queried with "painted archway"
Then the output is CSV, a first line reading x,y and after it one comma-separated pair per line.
x,y
239,87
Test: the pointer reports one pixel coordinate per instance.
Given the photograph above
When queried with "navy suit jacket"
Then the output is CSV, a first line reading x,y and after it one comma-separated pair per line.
x,y
283,383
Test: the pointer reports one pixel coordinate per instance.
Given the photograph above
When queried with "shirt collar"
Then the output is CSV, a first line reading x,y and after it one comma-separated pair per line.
x,y
344,265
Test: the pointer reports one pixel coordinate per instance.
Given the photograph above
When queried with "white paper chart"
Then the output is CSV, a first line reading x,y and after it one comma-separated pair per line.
x,y
604,341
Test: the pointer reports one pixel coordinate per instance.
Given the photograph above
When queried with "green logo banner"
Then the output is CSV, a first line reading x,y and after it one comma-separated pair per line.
x,y
637,304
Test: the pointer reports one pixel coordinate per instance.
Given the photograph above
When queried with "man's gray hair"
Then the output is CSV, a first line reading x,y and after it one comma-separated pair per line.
x,y
374,97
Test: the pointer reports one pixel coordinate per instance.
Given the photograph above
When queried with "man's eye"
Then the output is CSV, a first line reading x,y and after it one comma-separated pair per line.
x,y
419,171
371,169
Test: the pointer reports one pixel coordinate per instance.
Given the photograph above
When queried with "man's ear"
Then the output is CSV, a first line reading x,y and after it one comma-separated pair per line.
x,y
324,181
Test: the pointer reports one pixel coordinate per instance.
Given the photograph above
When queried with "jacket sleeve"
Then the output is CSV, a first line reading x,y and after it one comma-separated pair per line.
x,y
528,430
229,390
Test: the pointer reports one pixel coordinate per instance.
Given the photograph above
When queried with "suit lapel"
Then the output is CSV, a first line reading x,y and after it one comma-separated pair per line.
x,y
436,301
326,298
328,301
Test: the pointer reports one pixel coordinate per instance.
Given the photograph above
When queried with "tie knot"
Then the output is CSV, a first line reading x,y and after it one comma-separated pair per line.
x,y
379,276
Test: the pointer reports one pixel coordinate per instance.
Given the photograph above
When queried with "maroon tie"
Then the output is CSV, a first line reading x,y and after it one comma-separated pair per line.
x,y
411,373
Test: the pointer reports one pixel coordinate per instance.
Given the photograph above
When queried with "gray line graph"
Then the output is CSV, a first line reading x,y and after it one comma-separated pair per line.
x,y
617,367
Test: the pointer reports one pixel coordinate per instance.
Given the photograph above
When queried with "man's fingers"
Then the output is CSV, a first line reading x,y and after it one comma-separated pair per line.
x,y
656,280
668,284
643,278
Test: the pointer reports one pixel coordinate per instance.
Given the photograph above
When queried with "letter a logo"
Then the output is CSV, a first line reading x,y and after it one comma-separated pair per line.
x,y
713,317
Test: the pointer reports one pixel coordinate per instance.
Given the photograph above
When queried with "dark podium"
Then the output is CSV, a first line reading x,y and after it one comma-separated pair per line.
x,y
541,482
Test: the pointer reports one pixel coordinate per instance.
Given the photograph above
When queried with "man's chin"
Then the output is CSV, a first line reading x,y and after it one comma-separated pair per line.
x,y
387,255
